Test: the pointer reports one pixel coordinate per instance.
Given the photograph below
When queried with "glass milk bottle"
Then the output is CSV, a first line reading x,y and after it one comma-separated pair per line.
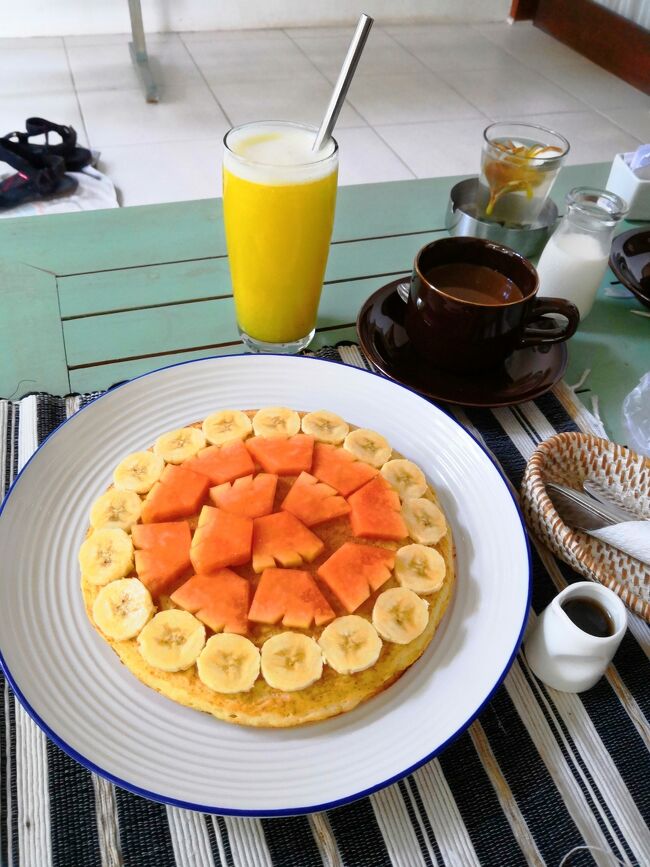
x,y
573,263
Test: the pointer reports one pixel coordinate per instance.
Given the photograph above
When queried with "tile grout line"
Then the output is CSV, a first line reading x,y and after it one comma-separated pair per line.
x,y
437,76
203,78
587,105
364,119
76,94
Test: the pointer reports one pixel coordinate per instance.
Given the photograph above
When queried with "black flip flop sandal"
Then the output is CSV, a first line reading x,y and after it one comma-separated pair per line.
x,y
38,176
75,157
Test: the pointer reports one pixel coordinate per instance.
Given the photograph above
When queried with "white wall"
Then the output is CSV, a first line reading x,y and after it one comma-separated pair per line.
x,y
63,17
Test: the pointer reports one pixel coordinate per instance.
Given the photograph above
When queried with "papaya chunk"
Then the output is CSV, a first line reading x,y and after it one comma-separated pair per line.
x,y
220,600
314,502
285,457
354,571
376,512
338,469
221,539
178,493
283,538
221,464
162,554
292,596
250,496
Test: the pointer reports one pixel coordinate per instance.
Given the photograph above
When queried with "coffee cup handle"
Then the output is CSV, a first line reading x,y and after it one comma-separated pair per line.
x,y
536,336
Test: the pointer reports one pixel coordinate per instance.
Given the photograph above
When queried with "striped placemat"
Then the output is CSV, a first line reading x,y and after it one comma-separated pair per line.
x,y
541,778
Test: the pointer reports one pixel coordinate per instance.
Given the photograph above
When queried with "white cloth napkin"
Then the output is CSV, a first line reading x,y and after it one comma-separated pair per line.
x,y
632,537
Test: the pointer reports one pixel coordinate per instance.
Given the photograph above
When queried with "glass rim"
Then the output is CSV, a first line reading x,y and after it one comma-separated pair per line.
x,y
537,126
594,195
283,123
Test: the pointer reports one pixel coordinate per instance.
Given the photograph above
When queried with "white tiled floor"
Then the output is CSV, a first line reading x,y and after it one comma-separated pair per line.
x,y
419,102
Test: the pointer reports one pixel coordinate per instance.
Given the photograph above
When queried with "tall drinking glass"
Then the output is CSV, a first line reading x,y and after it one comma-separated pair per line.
x,y
279,198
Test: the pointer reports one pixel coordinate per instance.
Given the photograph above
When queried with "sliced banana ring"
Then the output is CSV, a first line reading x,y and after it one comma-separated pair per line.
x,y
172,641
325,426
122,608
424,520
405,477
106,556
350,644
291,661
116,509
179,445
276,421
225,426
229,663
368,446
400,615
138,472
420,569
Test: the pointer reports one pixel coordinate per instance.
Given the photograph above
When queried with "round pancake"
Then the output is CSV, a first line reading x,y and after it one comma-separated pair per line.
x,y
334,693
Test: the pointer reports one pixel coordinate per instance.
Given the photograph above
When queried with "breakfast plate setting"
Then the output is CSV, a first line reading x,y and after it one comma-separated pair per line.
x,y
369,595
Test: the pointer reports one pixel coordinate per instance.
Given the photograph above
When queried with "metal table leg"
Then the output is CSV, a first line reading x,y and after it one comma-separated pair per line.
x,y
138,50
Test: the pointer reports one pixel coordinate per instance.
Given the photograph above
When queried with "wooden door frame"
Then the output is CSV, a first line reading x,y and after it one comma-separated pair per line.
x,y
617,44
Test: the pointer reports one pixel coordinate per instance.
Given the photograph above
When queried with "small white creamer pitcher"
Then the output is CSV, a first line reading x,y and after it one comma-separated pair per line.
x,y
563,655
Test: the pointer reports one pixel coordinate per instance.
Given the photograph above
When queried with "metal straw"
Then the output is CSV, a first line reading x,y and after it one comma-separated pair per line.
x,y
343,83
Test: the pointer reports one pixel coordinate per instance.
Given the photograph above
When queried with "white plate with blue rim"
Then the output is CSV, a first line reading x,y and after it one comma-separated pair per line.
x,y
76,689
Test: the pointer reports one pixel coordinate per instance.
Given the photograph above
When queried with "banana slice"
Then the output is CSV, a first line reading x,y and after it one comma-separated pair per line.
x,y
425,522
291,661
276,421
325,426
116,509
406,477
122,608
179,445
420,569
138,472
172,641
350,644
106,556
225,426
400,615
368,446
229,663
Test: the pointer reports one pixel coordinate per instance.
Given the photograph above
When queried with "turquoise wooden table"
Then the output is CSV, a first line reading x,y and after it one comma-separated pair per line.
x,y
90,299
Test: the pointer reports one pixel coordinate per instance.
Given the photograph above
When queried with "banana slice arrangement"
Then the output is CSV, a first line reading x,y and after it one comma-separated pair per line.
x,y
368,446
138,472
106,556
173,640
325,427
179,445
276,421
350,644
122,608
226,426
116,508
229,663
400,615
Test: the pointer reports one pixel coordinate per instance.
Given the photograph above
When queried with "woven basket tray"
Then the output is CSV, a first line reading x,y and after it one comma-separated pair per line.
x,y
569,459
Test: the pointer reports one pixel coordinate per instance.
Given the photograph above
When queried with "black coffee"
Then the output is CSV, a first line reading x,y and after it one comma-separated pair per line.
x,y
476,283
589,616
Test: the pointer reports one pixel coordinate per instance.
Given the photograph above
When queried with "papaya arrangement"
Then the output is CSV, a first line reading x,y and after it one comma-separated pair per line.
x,y
270,567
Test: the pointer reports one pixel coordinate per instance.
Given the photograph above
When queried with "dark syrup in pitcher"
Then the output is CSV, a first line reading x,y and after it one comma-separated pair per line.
x,y
589,616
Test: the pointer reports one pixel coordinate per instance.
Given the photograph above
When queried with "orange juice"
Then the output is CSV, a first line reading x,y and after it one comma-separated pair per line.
x,y
279,200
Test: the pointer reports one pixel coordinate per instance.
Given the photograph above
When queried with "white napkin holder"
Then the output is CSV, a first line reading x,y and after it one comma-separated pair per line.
x,y
635,190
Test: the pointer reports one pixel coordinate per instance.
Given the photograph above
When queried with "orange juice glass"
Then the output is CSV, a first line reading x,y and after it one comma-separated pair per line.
x,y
278,199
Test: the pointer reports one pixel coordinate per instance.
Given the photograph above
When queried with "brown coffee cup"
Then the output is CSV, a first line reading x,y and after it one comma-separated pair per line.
x,y
456,334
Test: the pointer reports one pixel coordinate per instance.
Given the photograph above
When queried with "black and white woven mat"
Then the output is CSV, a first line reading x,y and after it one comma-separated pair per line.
x,y
541,778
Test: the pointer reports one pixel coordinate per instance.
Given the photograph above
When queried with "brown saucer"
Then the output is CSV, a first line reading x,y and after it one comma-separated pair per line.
x,y
630,262
525,375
